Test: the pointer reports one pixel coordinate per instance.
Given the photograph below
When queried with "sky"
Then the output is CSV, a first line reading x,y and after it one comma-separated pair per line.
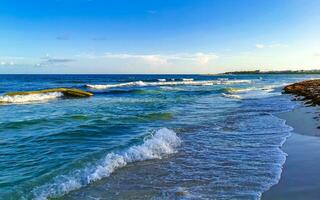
x,y
158,36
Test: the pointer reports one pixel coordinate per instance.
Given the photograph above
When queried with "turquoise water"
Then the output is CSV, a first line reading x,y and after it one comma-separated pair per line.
x,y
143,136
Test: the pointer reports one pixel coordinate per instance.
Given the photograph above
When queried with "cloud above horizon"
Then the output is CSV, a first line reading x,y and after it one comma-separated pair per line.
x,y
275,45
198,58
50,61
3,63
11,60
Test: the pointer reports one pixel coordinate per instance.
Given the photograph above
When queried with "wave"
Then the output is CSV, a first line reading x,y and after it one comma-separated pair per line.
x,y
158,116
187,79
231,96
135,83
158,145
268,88
169,88
252,92
133,91
20,99
237,90
162,80
168,83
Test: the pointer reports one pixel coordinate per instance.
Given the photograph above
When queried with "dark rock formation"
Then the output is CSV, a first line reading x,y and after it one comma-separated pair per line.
x,y
309,90
69,92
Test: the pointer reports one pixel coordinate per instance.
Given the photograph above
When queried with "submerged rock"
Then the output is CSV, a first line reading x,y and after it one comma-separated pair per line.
x,y
69,92
309,90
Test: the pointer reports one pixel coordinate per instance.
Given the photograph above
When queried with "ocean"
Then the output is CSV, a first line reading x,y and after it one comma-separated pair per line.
x,y
143,136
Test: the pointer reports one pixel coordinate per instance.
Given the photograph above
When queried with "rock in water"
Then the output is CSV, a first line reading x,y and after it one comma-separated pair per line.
x,y
69,92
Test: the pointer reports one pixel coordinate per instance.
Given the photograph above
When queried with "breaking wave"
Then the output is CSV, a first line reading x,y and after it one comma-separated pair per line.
x,y
237,90
20,99
121,91
231,96
251,93
168,83
135,83
160,144
187,79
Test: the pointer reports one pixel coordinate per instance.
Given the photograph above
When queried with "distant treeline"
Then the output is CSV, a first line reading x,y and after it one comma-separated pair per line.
x,y
276,72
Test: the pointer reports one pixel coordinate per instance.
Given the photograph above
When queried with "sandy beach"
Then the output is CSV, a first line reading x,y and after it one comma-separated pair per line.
x,y
300,179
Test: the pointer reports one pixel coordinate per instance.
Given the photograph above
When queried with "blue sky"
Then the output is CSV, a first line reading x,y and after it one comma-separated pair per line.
x,y
158,36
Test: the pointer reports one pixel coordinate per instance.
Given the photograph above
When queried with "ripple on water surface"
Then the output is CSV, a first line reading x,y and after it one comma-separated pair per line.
x,y
215,148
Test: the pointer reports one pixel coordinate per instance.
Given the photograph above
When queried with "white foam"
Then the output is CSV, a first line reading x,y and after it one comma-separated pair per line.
x,y
135,83
235,81
245,90
169,83
162,80
231,96
19,99
187,79
169,88
252,93
239,90
162,143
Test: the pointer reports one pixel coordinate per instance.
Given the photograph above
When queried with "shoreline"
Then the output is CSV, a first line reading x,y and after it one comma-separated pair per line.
x,y
300,178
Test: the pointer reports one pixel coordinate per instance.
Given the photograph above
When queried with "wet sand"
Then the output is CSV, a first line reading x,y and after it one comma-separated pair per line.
x,y
300,179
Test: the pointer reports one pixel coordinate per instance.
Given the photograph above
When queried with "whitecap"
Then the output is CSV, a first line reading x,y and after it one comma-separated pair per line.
x,y
231,96
169,83
170,88
135,83
187,79
20,99
238,90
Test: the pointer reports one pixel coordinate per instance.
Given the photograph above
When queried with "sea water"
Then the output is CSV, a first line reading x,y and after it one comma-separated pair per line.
x,y
143,136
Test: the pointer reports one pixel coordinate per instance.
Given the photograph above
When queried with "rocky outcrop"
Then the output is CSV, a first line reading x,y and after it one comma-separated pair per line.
x,y
308,90
68,92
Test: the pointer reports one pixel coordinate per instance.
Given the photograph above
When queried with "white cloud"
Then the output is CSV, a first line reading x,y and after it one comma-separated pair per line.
x,y
275,45
7,63
260,46
15,61
165,59
204,59
12,58
154,59
51,61
149,59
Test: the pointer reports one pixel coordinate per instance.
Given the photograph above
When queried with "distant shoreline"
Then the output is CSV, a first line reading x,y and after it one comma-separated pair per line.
x,y
274,72
254,72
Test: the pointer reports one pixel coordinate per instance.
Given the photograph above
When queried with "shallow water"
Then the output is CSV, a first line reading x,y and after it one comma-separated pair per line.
x,y
185,137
